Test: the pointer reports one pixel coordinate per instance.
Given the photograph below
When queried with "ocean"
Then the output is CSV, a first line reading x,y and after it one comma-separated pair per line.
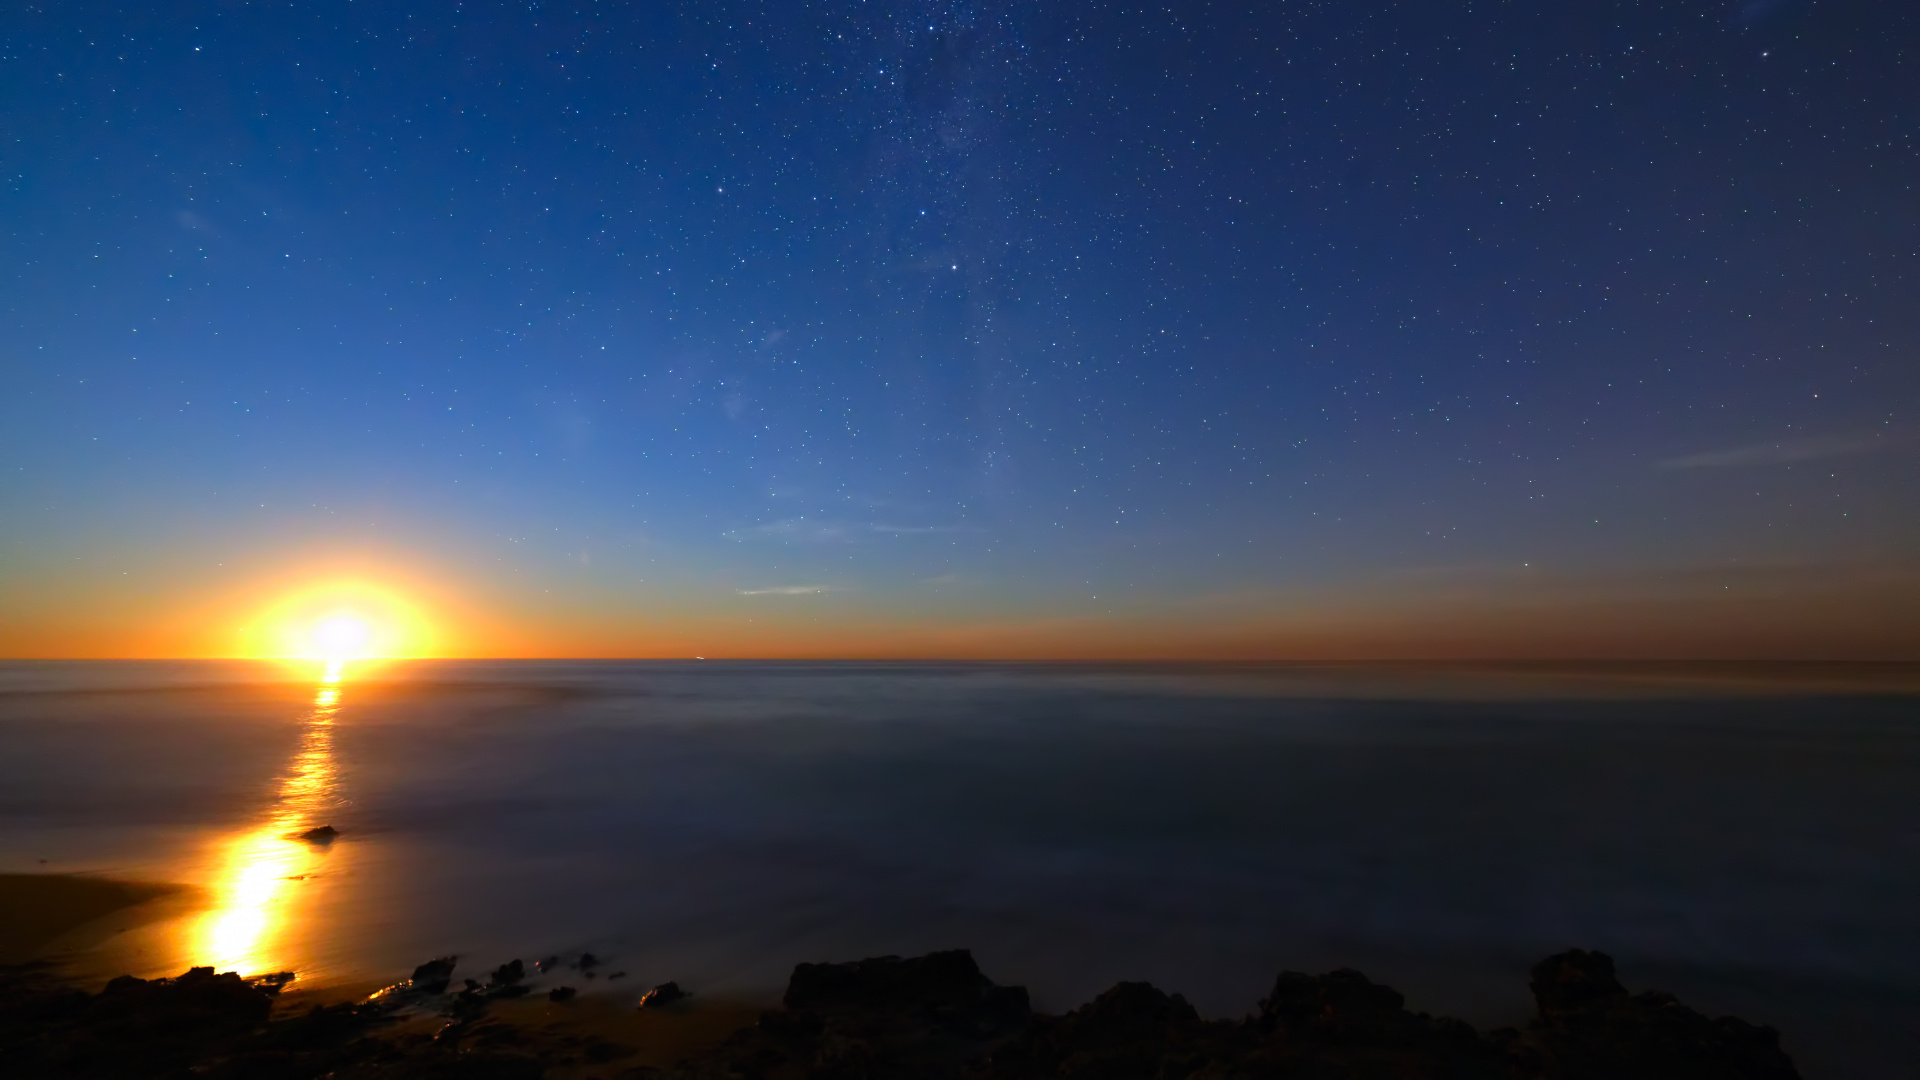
x,y
1746,838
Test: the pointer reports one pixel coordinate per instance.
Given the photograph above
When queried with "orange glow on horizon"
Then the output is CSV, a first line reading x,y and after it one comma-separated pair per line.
x,y
338,622
307,607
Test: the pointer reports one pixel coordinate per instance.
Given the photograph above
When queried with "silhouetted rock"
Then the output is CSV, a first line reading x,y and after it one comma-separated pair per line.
x,y
199,1000
468,1005
934,1017
944,984
1345,1020
928,1017
1339,1024
1132,1030
938,1016
1590,1028
325,834
667,993
133,1027
433,976
211,1026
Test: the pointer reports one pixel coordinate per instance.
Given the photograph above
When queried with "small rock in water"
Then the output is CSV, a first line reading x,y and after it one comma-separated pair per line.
x,y
433,976
504,981
322,835
665,994
273,983
561,993
588,961
616,975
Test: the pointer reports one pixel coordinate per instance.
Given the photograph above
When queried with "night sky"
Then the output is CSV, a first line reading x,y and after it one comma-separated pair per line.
x,y
966,329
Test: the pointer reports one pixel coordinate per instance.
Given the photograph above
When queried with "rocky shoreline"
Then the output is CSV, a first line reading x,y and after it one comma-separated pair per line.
x,y
934,1016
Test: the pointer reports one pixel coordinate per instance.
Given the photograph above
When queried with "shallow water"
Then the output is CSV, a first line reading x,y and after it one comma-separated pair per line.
x,y
1751,846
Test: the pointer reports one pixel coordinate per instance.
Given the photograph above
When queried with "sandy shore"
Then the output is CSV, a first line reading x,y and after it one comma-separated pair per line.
x,y
38,910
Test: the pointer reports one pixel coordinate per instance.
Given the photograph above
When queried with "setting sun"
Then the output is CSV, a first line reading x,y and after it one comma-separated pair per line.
x,y
341,637
340,621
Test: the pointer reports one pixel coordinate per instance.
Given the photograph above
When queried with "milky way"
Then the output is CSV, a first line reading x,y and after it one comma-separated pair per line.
x,y
1233,326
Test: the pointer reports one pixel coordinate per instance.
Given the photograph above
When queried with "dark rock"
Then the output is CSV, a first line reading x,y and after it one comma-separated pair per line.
x,y
1347,994
1590,1028
273,983
667,993
133,1027
433,976
219,1027
934,1017
588,961
1346,1023
1131,1031
197,999
944,983
467,1006
323,835
616,975
1339,1024
1573,982
930,1018
544,966
320,1028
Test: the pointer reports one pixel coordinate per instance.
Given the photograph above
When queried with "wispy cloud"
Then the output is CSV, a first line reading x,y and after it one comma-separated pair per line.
x,y
818,531
801,529
1778,453
791,590
921,530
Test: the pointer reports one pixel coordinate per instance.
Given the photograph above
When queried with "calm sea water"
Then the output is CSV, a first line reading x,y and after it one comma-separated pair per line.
x,y
1754,850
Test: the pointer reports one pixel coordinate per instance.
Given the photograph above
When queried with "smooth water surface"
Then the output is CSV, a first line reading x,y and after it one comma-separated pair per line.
x,y
1755,851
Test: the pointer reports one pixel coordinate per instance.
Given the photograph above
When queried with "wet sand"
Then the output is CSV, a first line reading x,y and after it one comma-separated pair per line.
x,y
39,911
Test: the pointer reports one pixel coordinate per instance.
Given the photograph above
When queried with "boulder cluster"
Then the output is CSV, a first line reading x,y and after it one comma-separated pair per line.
x,y
938,1016
934,1017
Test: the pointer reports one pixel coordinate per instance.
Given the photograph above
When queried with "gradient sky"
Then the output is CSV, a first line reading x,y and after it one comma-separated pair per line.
x,y
968,329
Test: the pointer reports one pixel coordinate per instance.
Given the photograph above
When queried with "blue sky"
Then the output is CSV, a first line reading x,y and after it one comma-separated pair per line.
x,y
863,327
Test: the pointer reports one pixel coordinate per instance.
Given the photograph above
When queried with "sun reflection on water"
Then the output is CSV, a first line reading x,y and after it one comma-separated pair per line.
x,y
254,917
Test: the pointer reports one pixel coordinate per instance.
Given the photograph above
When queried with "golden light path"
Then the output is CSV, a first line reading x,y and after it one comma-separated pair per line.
x,y
253,920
